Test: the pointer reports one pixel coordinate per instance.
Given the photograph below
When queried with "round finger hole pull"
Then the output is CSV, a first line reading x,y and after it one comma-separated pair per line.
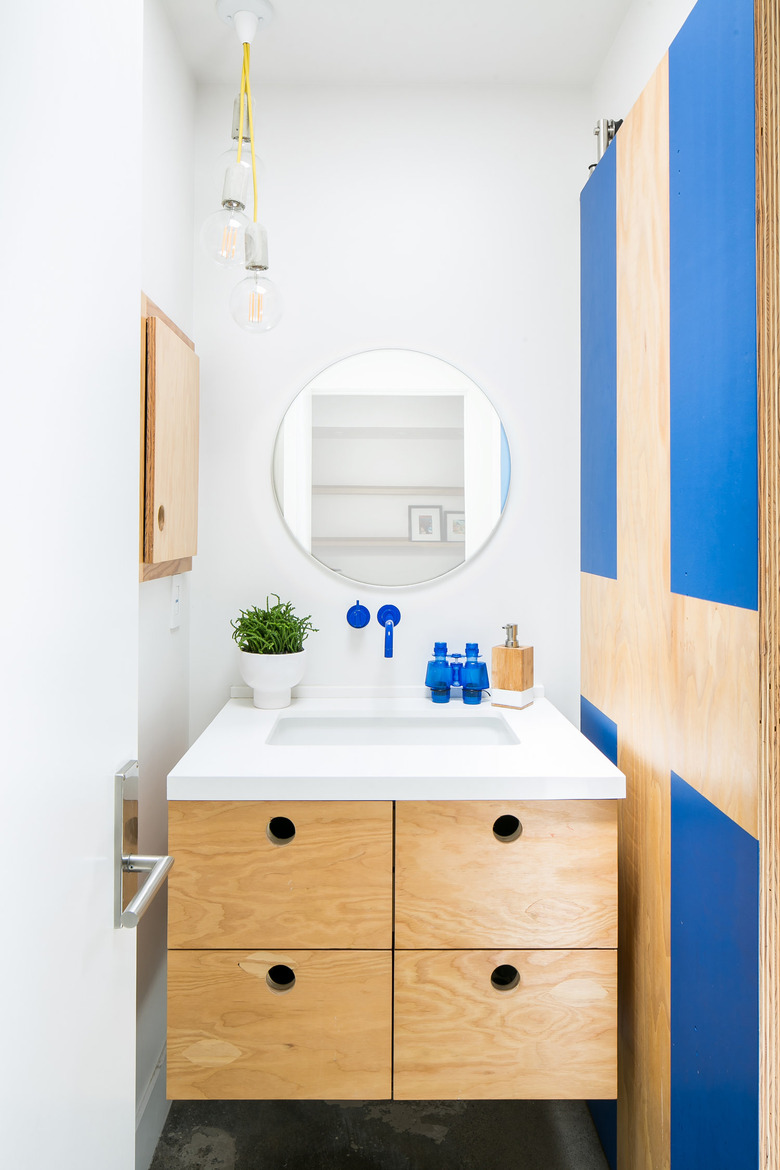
x,y
280,830
505,978
161,517
280,978
507,828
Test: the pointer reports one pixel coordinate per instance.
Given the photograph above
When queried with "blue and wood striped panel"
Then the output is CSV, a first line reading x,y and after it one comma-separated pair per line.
x,y
603,733
712,210
598,292
714,987
599,729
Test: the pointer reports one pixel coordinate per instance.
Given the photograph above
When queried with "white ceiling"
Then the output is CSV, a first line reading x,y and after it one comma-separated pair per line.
x,y
521,42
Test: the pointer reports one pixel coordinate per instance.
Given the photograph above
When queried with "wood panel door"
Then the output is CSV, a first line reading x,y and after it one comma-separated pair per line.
x,y
281,874
240,1028
506,874
466,1029
171,459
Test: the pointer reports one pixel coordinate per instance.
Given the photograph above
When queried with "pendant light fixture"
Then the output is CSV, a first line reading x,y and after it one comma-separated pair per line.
x,y
230,155
222,234
229,236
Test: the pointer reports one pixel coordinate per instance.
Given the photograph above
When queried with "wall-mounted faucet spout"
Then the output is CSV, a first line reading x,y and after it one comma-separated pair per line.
x,y
389,616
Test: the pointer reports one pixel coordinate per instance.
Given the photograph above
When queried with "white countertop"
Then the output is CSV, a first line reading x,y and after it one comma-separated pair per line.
x,y
232,761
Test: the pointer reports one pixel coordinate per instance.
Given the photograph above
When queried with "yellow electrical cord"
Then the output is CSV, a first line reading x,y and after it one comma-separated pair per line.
x,y
251,127
241,114
246,90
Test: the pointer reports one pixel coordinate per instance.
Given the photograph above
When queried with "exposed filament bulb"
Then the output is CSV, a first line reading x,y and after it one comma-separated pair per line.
x,y
255,304
256,299
222,236
229,242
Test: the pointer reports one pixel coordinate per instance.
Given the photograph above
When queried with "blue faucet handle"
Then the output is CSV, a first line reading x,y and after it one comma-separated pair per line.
x,y
358,616
389,616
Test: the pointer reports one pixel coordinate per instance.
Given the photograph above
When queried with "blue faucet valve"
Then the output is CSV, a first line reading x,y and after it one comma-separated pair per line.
x,y
358,616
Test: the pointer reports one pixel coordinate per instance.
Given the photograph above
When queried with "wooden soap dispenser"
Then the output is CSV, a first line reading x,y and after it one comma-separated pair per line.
x,y
512,677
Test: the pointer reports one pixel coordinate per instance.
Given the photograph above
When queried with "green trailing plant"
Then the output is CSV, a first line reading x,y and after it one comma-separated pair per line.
x,y
277,629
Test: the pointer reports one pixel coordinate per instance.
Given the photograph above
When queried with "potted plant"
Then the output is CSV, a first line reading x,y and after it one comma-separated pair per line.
x,y
272,654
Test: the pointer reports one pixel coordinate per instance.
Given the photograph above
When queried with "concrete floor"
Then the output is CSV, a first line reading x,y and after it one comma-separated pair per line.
x,y
379,1135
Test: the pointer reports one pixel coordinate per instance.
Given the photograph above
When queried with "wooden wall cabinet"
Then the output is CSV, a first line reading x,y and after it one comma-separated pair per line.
x,y
170,393
486,968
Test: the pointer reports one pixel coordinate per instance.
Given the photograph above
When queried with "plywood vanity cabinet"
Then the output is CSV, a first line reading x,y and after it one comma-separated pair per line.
x,y
280,967
506,949
485,967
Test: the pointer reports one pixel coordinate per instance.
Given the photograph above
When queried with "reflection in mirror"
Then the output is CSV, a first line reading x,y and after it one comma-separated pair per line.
x,y
391,467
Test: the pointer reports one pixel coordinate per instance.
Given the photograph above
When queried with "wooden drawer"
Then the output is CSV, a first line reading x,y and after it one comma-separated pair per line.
x,y
329,885
233,1037
554,885
554,1035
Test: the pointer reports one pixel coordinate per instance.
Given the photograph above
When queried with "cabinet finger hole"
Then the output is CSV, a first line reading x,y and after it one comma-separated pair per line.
x,y
507,828
280,978
161,517
505,978
280,830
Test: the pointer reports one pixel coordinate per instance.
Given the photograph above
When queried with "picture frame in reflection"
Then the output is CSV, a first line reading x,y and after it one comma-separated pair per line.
x,y
455,527
425,523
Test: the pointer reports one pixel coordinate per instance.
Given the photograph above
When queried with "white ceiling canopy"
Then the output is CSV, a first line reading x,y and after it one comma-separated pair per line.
x,y
417,42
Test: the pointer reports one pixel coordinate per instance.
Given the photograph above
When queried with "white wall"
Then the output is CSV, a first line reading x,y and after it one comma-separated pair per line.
x,y
167,247
649,28
442,220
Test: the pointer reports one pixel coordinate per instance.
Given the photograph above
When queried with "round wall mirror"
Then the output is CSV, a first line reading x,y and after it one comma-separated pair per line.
x,y
391,467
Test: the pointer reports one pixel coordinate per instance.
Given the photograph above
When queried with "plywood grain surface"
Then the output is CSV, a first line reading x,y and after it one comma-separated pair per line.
x,y
555,885
232,1037
767,41
330,886
172,413
551,1036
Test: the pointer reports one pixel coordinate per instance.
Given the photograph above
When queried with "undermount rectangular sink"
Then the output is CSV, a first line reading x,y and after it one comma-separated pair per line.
x,y
390,731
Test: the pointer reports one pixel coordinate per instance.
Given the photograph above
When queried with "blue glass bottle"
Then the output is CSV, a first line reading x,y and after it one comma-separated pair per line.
x,y
438,675
474,675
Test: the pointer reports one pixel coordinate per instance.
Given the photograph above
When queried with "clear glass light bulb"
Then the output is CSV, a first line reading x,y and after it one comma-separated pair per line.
x,y
222,236
255,303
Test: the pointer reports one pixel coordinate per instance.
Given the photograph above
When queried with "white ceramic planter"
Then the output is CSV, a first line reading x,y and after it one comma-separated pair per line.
x,y
272,676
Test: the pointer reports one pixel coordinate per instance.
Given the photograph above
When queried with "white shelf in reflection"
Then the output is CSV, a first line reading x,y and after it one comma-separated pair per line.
x,y
385,542
372,489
